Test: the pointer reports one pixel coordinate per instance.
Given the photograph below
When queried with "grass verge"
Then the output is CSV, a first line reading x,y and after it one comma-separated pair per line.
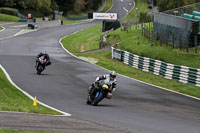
x,y
1,28
86,41
133,15
14,131
104,60
11,99
163,53
8,18
108,5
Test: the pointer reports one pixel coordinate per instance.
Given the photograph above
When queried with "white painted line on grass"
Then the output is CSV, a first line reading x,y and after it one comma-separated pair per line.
x,y
31,97
21,32
2,29
24,31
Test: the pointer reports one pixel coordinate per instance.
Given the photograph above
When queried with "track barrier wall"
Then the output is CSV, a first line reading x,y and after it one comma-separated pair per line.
x,y
182,74
48,24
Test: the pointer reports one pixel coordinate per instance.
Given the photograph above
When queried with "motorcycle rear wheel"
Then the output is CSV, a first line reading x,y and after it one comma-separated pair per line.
x,y
88,100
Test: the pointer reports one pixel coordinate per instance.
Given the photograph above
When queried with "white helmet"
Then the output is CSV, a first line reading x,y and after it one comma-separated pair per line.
x,y
113,75
44,52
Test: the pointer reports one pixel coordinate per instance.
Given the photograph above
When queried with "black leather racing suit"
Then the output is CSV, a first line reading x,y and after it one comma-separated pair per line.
x,y
46,56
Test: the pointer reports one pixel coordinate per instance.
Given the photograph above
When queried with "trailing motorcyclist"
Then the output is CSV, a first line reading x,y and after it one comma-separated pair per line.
x,y
42,60
108,78
45,55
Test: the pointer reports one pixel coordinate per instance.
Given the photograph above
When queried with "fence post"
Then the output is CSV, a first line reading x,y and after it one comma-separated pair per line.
x,y
149,32
156,38
167,37
187,44
136,25
173,39
152,39
142,29
160,39
100,44
180,43
196,41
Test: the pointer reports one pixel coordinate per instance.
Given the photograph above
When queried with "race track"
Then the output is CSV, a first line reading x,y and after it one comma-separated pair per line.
x,y
135,107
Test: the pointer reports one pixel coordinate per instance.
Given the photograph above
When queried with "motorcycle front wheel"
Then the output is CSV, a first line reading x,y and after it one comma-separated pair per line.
x,y
39,69
98,99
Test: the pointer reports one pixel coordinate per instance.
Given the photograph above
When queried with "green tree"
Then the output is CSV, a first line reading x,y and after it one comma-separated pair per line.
x,y
44,6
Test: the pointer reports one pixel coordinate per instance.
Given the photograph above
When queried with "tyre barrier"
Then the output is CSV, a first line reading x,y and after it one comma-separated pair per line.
x,y
182,74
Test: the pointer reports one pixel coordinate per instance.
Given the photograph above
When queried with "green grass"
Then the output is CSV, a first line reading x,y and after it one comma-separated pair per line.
x,y
1,28
8,18
105,60
66,22
15,131
73,43
133,15
163,53
11,99
86,40
108,5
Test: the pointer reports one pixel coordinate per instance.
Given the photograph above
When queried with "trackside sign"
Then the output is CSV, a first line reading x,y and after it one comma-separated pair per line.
x,y
105,16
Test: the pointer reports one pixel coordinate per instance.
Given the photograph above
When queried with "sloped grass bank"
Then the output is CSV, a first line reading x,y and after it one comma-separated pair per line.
x,y
108,5
163,53
127,39
11,99
8,18
84,40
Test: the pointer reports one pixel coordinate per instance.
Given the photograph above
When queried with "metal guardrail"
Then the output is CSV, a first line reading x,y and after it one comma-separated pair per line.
x,y
182,74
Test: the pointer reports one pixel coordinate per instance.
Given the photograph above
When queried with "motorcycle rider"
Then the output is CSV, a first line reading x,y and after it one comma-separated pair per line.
x,y
46,56
110,78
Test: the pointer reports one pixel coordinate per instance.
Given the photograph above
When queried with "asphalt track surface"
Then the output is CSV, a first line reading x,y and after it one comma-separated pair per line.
x,y
136,107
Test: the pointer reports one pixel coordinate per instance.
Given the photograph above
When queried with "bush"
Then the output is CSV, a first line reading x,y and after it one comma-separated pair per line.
x,y
144,17
9,11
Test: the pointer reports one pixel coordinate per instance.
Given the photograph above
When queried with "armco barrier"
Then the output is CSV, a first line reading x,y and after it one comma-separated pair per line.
x,y
169,71
48,24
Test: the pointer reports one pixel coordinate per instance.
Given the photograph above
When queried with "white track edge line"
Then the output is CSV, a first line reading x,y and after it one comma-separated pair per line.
x,y
7,23
32,98
124,75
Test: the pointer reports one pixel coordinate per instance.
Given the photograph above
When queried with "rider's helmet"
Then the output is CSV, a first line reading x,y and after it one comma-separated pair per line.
x,y
113,75
44,52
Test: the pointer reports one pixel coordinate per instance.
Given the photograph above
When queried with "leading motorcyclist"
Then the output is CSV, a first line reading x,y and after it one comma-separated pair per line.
x,y
109,78
46,56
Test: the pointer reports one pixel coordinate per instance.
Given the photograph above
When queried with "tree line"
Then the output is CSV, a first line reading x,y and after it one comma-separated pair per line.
x,y
164,5
46,7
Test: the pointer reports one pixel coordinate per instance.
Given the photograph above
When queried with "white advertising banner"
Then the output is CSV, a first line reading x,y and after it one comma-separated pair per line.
x,y
107,16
